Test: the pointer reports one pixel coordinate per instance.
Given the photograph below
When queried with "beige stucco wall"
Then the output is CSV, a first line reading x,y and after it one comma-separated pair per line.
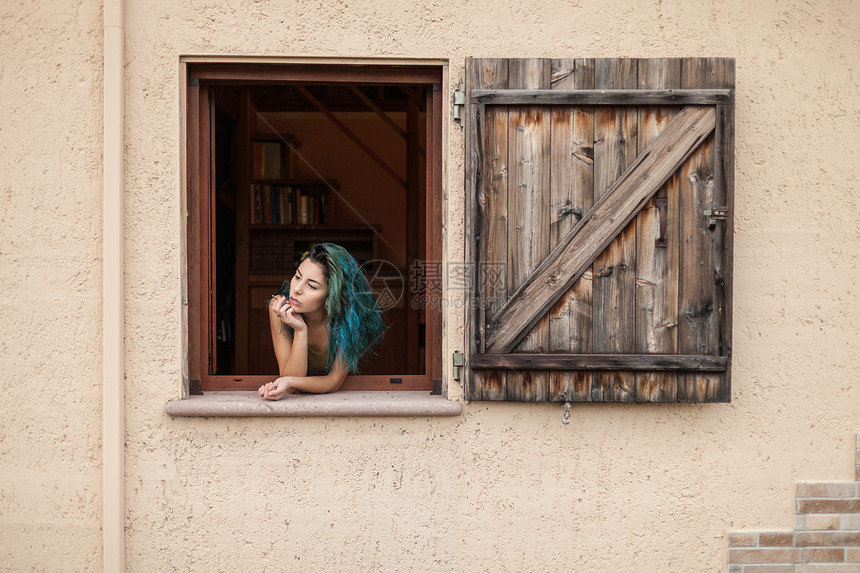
x,y
504,486
50,286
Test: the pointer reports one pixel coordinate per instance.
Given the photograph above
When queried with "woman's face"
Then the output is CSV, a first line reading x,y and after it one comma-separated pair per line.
x,y
308,290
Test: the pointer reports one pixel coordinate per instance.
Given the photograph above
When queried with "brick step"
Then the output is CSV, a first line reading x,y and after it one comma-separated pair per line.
x,y
826,537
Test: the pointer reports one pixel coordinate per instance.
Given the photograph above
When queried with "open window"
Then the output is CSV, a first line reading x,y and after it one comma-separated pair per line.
x,y
599,198
283,156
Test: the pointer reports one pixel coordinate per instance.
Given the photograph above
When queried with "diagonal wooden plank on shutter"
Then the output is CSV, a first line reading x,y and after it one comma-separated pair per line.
x,y
599,227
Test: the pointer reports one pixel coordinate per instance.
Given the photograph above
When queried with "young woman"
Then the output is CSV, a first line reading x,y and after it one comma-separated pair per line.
x,y
323,321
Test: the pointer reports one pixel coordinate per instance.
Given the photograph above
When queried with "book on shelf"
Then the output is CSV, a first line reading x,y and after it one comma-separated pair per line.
x,y
267,204
256,203
288,205
319,209
267,159
313,206
283,203
304,215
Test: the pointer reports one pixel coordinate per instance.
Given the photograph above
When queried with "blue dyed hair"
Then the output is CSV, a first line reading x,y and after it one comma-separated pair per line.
x,y
354,320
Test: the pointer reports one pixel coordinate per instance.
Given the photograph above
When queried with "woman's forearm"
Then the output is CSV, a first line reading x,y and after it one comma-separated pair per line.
x,y
318,384
297,362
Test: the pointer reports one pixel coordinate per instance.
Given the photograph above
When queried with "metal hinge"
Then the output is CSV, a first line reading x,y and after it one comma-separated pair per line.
x,y
459,361
459,102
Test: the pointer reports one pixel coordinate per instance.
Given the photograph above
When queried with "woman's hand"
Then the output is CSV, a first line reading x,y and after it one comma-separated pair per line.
x,y
282,308
276,389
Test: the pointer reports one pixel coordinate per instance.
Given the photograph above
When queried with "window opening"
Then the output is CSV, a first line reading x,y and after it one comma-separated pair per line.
x,y
293,163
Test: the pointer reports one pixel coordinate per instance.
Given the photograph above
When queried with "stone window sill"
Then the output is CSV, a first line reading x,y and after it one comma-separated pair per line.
x,y
344,403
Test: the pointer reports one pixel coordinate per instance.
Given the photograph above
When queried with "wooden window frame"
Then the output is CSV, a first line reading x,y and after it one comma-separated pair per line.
x,y
200,212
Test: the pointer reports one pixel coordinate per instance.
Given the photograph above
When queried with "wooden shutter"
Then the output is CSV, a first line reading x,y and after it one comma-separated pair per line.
x,y
599,228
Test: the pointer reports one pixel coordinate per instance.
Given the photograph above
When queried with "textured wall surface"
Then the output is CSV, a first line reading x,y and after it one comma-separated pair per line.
x,y
504,486
50,286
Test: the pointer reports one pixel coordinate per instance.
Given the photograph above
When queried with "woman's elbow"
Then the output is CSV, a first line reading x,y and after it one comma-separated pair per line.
x,y
333,383
287,370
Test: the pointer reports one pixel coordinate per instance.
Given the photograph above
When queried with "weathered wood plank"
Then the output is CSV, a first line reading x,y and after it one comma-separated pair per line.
x,y
698,329
700,300
601,97
615,146
472,156
488,180
598,227
657,266
726,176
528,210
572,183
588,362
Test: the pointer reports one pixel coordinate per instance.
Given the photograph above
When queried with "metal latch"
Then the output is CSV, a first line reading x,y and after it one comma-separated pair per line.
x,y
459,102
459,361
715,214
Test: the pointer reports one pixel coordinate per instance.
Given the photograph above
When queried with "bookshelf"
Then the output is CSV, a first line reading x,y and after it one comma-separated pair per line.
x,y
290,202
